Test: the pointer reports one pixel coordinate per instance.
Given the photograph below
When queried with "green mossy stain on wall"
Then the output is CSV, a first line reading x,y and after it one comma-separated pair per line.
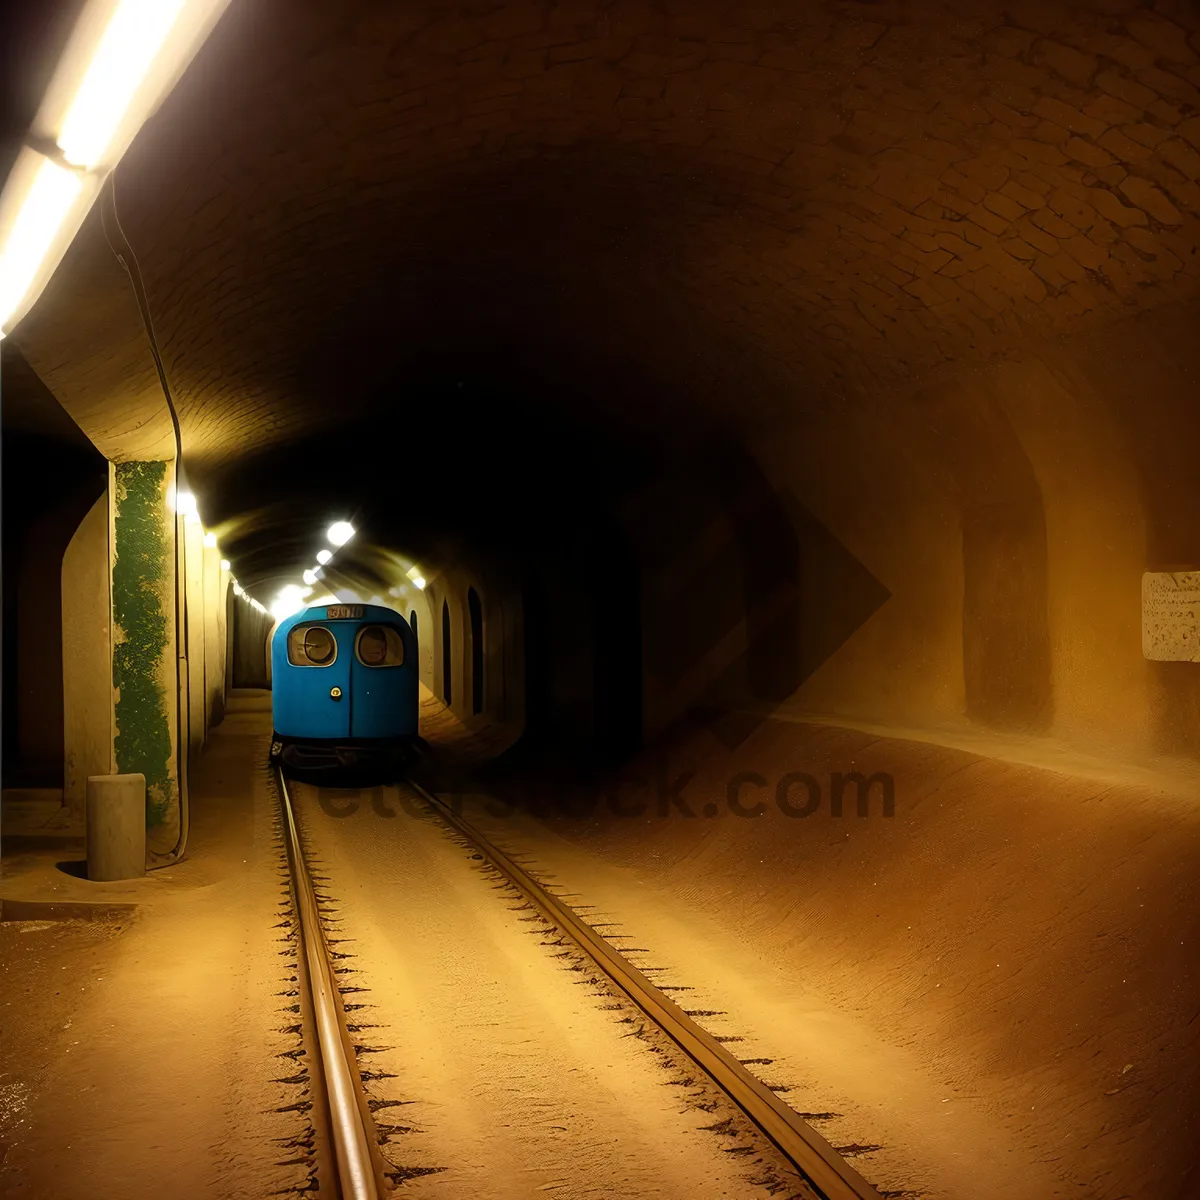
x,y
143,741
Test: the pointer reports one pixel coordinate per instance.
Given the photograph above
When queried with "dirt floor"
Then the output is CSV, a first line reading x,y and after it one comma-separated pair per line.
x,y
990,993
139,1056
499,1064
994,990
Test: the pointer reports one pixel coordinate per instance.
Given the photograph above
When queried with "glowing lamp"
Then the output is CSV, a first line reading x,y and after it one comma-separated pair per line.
x,y
130,43
51,196
340,532
184,504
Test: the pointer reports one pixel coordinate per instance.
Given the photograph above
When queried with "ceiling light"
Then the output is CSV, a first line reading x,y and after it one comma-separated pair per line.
x,y
224,564
183,503
418,582
290,600
210,540
340,532
53,192
323,556
310,577
119,62
129,45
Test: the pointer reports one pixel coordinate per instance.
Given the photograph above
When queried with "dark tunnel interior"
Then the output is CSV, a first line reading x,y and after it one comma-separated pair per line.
x,y
775,429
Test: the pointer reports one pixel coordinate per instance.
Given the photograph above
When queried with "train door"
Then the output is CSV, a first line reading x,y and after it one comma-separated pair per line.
x,y
315,699
377,678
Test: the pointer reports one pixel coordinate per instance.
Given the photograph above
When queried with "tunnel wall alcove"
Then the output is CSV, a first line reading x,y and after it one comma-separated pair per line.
x,y
1091,471
1144,372
969,551
87,656
49,487
249,651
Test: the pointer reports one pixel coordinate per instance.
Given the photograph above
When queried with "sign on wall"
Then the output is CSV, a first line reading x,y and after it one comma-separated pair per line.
x,y
1171,616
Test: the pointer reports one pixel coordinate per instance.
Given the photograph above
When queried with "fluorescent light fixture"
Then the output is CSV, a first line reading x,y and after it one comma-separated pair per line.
x,y
323,556
418,582
224,564
54,192
210,540
340,532
310,577
121,59
132,41
238,590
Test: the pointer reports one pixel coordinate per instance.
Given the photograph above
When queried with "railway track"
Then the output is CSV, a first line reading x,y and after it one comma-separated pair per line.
x,y
338,1089
353,1170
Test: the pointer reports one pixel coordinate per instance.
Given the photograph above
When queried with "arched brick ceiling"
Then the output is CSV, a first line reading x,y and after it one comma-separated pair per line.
x,y
722,211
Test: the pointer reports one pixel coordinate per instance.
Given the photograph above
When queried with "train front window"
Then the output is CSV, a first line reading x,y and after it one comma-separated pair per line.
x,y
380,646
319,645
311,646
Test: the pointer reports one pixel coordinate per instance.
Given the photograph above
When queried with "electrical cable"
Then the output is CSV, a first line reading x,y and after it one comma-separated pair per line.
x,y
118,243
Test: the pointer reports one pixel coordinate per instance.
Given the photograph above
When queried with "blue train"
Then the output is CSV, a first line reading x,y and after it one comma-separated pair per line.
x,y
344,689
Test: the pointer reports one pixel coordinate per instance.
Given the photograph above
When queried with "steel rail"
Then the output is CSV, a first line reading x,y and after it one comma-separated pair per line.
x,y
352,1144
827,1172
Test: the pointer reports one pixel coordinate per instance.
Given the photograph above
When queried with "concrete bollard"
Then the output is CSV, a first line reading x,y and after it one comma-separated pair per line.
x,y
116,826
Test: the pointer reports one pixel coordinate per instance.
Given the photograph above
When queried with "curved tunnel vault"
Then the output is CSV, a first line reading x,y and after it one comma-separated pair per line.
x,y
786,230
732,372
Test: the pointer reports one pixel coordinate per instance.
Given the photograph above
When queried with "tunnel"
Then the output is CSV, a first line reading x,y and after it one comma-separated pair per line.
x,y
772,432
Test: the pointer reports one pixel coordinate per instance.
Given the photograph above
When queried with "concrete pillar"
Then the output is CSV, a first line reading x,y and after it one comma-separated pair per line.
x,y
116,826
221,675
143,580
214,641
193,543
230,606
87,657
